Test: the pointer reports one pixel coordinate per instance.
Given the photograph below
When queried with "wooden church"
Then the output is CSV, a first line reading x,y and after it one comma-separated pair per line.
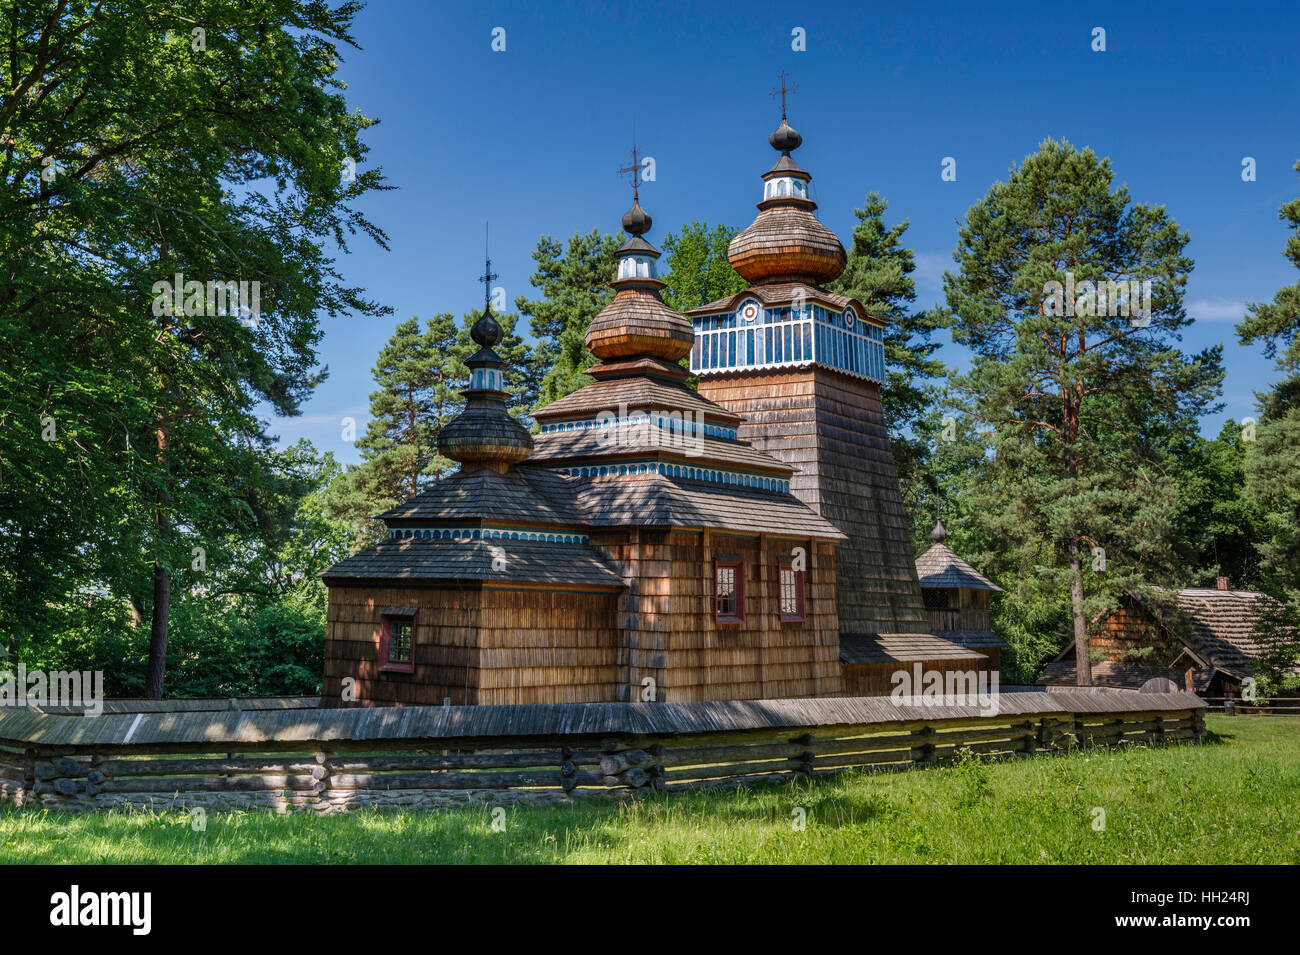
x,y
653,542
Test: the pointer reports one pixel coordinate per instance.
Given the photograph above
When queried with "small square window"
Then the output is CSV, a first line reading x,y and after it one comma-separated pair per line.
x,y
791,589
729,591
397,645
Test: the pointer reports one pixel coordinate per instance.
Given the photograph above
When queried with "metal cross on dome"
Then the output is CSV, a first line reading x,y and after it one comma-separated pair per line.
x,y
783,90
488,276
635,170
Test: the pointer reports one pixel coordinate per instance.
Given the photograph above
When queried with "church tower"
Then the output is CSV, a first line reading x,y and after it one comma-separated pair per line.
x,y
804,366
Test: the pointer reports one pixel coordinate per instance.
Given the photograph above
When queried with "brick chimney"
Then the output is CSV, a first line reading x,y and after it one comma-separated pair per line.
x,y
1222,583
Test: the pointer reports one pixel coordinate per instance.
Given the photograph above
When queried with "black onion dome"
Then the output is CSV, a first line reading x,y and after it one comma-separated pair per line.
x,y
636,221
486,331
785,137
939,534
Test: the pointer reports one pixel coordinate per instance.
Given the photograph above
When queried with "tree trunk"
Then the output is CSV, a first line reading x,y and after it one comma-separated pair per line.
x,y
162,598
162,593
1083,669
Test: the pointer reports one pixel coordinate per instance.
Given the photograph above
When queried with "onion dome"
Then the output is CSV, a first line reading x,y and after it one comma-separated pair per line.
x,y
638,322
786,242
940,533
484,434
636,221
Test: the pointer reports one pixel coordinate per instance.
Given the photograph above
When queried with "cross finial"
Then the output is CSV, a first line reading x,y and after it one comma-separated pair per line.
x,y
635,171
783,90
488,276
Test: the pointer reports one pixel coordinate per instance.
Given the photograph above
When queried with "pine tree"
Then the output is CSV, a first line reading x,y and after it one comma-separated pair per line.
x,y
1273,459
419,372
1077,395
574,283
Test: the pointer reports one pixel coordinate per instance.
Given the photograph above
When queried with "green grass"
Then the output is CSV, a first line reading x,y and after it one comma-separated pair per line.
x,y
1230,801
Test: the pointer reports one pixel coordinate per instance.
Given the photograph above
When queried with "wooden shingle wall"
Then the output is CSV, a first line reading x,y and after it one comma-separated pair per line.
x,y
475,646
831,426
670,635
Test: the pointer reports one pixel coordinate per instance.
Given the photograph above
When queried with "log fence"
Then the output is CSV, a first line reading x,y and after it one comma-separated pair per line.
x,y
327,761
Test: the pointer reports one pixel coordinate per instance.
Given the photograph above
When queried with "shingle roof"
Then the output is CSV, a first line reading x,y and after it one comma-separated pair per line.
x,y
510,561
781,293
786,240
939,567
651,441
901,648
526,495
650,500
1221,624
973,638
1126,676
637,394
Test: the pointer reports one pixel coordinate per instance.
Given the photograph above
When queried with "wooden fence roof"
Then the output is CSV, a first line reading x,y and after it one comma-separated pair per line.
x,y
19,726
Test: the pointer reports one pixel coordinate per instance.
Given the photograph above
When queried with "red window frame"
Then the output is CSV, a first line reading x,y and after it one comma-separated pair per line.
x,y
736,614
386,662
798,580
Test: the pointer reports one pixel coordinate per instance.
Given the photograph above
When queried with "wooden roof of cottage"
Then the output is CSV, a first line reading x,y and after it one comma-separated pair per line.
x,y
1221,626
479,561
901,648
1124,676
974,639
939,568
1215,626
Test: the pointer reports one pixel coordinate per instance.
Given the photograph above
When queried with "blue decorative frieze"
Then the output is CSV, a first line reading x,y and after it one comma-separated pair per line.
x,y
754,337
668,420
690,472
486,533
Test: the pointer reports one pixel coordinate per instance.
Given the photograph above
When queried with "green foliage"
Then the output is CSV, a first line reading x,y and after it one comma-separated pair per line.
x,y
421,374
696,268
1272,459
1078,410
1277,324
879,275
134,156
574,283
1217,524
1277,633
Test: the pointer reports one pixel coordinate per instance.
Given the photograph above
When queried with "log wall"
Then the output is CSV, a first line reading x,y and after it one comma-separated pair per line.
x,y
328,761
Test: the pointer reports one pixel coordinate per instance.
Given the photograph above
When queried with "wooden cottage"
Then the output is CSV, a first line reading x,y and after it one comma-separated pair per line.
x,y
654,542
1201,638
956,599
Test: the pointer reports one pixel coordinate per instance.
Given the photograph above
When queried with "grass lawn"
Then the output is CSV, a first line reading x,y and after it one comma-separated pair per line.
x,y
1233,800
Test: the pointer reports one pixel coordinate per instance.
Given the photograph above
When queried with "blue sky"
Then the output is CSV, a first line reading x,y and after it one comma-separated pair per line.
x,y
531,138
